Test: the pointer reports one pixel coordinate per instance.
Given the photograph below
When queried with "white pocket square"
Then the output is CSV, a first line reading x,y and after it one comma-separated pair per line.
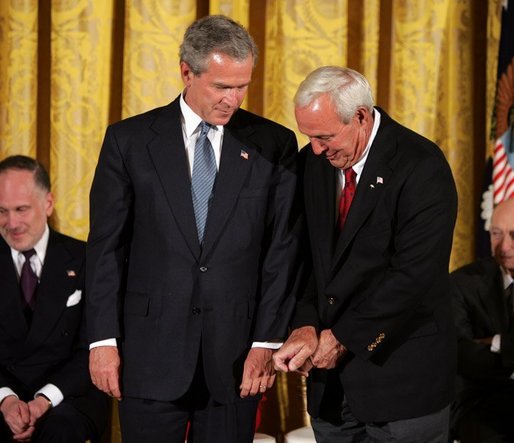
x,y
74,298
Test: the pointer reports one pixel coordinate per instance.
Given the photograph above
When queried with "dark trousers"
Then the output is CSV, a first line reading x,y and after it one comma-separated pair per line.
x,y
205,420
431,428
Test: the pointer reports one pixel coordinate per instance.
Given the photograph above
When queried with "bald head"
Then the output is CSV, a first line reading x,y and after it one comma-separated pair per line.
x,y
502,235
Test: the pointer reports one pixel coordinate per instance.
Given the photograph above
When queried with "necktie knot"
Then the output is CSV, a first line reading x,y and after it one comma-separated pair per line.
x,y
28,254
349,175
204,128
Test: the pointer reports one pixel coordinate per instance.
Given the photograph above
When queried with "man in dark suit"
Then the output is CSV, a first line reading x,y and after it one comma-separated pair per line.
x,y
482,300
195,306
45,390
375,320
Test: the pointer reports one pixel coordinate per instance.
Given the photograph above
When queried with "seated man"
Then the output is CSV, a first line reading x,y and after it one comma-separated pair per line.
x,y
482,299
45,390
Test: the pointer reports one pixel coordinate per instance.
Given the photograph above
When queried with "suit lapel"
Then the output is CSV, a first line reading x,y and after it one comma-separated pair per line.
x,y
237,157
52,292
168,154
375,177
494,301
10,295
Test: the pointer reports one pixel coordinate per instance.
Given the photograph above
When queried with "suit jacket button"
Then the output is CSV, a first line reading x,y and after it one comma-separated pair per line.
x,y
196,310
203,269
331,300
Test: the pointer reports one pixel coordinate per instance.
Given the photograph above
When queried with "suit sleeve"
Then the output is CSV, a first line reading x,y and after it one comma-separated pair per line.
x,y
422,220
281,268
476,359
111,199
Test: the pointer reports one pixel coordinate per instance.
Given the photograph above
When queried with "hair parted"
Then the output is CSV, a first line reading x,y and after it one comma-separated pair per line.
x,y
215,33
347,89
24,163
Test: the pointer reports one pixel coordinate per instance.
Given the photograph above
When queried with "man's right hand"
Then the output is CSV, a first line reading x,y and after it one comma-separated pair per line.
x,y
295,353
104,367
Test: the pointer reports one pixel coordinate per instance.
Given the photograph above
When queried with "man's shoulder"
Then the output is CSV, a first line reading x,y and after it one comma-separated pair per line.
x,y
145,119
74,245
243,119
481,268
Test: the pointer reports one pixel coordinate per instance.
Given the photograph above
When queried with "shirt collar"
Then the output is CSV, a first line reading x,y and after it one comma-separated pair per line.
x,y
39,247
359,166
507,278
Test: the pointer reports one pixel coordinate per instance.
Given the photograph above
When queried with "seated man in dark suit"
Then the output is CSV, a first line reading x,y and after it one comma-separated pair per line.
x,y
45,389
482,299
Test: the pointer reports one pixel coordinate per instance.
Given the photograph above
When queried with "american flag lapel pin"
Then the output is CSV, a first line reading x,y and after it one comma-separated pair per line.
x,y
71,273
380,181
244,154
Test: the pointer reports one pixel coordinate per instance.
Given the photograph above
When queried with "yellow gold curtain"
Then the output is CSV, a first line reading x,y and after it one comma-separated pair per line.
x,y
70,67
18,77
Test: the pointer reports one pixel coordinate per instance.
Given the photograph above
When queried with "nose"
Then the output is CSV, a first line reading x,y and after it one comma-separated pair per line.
x,y
318,147
233,97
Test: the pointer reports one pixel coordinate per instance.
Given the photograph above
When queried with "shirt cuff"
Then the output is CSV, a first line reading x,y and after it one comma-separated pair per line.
x,y
496,344
52,392
267,344
106,342
5,392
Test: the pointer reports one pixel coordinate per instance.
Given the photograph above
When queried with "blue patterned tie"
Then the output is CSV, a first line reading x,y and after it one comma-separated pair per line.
x,y
203,177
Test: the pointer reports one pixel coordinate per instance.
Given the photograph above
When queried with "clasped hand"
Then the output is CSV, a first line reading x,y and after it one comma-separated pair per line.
x,y
304,350
21,417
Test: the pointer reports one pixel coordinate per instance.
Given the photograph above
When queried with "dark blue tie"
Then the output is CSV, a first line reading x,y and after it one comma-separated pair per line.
x,y
202,178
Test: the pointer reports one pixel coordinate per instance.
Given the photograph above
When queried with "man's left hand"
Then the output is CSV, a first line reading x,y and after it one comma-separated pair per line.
x,y
329,351
38,407
258,373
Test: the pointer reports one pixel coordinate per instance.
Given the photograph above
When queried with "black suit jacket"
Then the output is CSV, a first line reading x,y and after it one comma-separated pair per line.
x,y
152,286
382,285
54,348
480,310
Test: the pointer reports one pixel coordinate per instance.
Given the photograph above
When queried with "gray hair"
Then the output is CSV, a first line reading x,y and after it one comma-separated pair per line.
x,y
215,33
347,89
24,163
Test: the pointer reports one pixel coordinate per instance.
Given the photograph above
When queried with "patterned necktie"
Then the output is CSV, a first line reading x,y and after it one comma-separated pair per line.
x,y
346,196
202,178
28,281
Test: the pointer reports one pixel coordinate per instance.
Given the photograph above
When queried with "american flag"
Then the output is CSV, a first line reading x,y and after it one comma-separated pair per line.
x,y
503,173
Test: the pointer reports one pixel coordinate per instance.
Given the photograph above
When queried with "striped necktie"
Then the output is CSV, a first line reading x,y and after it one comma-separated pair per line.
x,y
203,178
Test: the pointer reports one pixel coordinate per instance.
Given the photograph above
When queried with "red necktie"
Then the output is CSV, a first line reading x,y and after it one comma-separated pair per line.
x,y
346,196
28,281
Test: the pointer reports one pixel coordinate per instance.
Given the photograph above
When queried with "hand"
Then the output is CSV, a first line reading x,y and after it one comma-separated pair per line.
x,y
295,352
104,367
258,372
37,408
17,416
329,351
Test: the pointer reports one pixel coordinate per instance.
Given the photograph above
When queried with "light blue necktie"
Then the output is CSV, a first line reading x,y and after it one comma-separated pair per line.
x,y
203,177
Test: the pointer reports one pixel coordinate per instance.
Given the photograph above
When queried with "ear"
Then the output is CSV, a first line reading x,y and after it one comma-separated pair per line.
x,y
363,116
49,204
186,73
